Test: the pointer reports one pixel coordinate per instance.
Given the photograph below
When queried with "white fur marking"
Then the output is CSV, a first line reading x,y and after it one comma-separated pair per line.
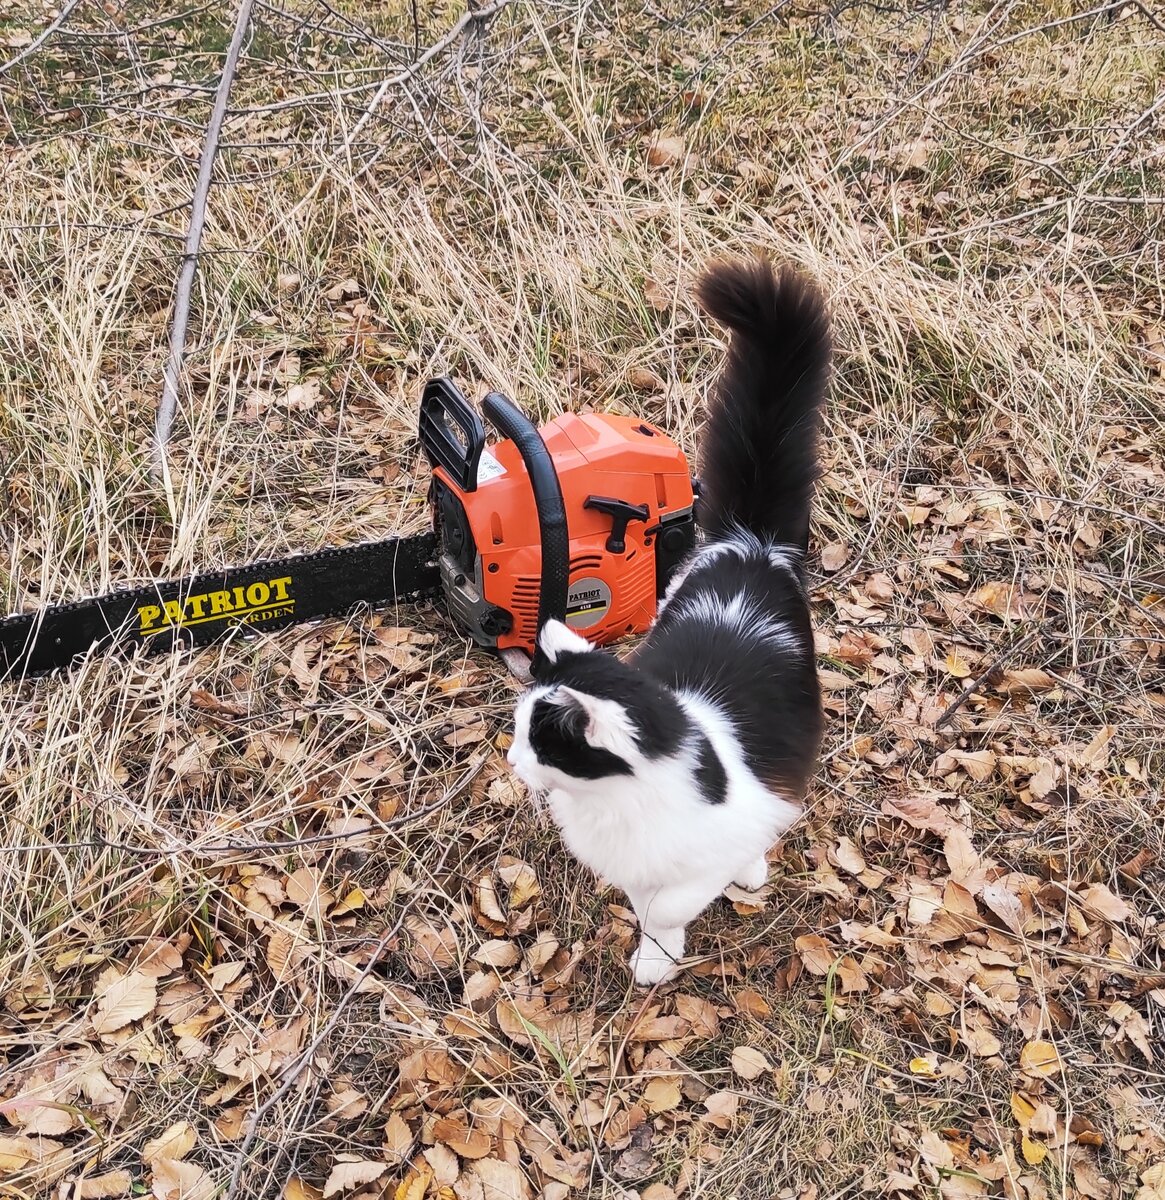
x,y
557,638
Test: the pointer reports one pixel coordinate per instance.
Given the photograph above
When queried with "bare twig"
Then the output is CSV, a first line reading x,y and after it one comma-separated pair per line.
x,y
982,678
42,37
181,319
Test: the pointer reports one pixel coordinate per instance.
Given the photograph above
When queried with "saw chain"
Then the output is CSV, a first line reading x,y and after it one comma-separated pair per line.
x,y
204,608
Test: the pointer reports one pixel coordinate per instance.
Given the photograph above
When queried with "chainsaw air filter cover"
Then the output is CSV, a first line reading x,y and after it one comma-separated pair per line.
x,y
621,484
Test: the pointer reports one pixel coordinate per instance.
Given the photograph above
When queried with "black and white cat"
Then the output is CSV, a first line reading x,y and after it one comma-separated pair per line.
x,y
673,773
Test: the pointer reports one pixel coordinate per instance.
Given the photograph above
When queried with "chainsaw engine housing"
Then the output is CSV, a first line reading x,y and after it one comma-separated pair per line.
x,y
623,487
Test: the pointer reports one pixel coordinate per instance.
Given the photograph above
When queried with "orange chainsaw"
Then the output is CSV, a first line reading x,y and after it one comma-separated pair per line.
x,y
584,520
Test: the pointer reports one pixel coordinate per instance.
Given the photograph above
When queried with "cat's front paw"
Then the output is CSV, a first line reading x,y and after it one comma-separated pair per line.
x,y
650,965
754,876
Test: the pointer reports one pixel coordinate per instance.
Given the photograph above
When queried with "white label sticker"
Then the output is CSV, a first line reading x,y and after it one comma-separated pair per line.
x,y
488,468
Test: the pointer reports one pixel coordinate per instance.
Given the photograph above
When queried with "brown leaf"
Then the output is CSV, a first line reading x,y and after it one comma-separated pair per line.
x,y
665,150
173,1180
175,1143
1039,1058
962,857
123,999
849,857
920,812
721,1108
701,1014
498,953
752,1004
662,1094
306,889
297,1189
749,1063
352,1172
444,1162
834,556
101,1187
1100,902
1131,1026
981,1041
816,953
501,1180
644,380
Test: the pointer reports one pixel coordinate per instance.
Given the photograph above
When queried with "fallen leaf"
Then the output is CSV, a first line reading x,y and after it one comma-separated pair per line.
x,y
297,1189
498,953
834,556
1131,1026
350,1172
751,1003
816,953
749,1063
501,1180
1152,1183
101,1187
722,1107
1039,1058
665,150
173,1180
175,1143
126,998
1034,1153
1102,903
849,857
662,1094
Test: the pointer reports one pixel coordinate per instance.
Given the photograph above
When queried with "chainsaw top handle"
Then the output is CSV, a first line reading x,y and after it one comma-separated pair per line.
x,y
443,408
510,421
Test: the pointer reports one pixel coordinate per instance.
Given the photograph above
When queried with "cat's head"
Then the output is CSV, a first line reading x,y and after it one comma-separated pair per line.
x,y
590,719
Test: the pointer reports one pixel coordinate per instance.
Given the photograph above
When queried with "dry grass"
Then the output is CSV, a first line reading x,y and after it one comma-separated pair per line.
x,y
980,192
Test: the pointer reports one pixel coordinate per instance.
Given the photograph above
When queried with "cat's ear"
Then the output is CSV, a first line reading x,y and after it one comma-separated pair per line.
x,y
557,638
606,723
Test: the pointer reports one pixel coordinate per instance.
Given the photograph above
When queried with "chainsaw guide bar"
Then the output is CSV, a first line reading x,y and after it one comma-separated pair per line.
x,y
205,608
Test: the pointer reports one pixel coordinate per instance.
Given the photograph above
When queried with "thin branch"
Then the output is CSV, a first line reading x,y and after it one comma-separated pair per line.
x,y
169,402
982,678
42,37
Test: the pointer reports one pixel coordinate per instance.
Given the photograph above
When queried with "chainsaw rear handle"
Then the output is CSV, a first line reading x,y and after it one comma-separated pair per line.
x,y
510,421
444,410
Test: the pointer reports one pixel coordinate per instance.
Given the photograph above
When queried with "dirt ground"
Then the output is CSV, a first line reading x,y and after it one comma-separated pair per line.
x,y
275,922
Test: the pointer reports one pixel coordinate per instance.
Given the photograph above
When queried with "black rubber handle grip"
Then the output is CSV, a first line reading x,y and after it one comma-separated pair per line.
x,y
514,424
442,408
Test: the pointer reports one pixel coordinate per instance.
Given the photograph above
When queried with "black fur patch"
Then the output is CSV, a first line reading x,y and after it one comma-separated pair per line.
x,y
660,723
767,690
710,773
558,737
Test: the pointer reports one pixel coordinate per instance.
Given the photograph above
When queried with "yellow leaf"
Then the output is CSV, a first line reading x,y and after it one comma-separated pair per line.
x,y
662,1094
296,1189
1034,1153
1022,1109
1039,1058
921,1066
412,1187
353,900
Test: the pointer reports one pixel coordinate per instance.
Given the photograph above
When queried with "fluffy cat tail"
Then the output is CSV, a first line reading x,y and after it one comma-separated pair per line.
x,y
759,459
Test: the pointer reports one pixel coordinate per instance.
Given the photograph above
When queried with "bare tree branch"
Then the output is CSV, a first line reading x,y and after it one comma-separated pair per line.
x,y
181,318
